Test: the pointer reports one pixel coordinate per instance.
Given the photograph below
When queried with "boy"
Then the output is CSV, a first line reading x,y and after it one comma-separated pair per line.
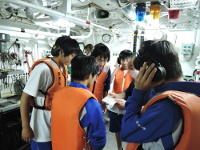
x,y
160,124
76,115
46,77
122,79
101,86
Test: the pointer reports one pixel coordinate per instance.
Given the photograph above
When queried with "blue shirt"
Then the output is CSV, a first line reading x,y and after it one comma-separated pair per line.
x,y
159,120
92,121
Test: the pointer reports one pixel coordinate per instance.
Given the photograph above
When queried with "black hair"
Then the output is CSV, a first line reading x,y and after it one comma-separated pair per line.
x,y
123,55
163,53
67,45
88,46
82,67
101,50
79,52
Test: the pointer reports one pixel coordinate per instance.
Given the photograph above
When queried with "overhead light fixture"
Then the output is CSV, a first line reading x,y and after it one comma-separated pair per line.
x,y
140,11
56,24
47,25
64,23
181,4
155,10
173,13
82,0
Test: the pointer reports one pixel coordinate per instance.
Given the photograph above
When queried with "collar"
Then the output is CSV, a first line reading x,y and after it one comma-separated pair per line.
x,y
189,87
78,85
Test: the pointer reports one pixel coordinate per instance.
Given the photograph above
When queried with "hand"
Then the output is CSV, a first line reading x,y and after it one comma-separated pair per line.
x,y
120,103
27,134
145,76
113,95
118,96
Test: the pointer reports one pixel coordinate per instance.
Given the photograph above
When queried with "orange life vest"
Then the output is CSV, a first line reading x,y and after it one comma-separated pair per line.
x,y
59,81
190,105
98,87
121,81
66,131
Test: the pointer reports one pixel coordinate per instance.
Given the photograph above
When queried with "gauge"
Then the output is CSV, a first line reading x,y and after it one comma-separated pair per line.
x,y
106,38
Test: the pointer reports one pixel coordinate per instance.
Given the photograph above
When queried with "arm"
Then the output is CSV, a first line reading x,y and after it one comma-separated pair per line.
x,y
93,120
27,133
159,120
37,80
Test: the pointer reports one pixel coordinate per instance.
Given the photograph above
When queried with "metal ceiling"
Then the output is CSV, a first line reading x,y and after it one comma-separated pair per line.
x,y
82,13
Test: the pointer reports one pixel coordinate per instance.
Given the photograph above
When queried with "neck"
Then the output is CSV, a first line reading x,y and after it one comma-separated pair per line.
x,y
56,60
85,82
174,80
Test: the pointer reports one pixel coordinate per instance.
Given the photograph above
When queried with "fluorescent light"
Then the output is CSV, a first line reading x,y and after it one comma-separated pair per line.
x,y
63,23
47,25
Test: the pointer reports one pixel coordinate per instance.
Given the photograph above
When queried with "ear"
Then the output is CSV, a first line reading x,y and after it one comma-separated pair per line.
x,y
87,77
61,53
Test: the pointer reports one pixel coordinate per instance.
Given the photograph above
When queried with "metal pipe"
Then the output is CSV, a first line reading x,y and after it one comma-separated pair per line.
x,y
69,6
56,14
83,36
16,31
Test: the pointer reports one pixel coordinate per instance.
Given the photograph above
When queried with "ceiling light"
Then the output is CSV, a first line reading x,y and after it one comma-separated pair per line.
x,y
140,11
63,23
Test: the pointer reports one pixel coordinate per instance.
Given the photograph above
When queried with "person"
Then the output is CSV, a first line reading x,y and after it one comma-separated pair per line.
x,y
76,114
160,124
122,75
122,78
101,86
47,76
88,49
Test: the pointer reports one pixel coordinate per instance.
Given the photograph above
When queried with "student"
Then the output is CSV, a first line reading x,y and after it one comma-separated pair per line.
x,y
47,76
88,49
160,125
122,80
122,76
101,86
76,114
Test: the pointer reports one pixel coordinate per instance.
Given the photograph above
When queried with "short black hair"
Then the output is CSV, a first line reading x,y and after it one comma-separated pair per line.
x,y
82,67
67,45
101,50
162,52
123,55
88,46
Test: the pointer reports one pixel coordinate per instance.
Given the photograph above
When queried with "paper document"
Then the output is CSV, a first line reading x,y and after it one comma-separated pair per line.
x,y
109,100
110,104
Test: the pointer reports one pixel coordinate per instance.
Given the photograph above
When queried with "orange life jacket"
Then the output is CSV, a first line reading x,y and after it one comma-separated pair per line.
x,y
98,87
121,82
190,105
59,81
66,131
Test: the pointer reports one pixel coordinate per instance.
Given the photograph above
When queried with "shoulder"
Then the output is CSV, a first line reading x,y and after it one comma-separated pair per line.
x,y
106,68
41,67
167,107
92,103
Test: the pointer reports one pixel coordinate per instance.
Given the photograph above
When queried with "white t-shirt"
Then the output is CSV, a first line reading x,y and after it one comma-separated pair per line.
x,y
40,79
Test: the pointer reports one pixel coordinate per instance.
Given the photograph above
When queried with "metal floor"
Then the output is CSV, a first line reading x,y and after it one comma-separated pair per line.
x,y
111,143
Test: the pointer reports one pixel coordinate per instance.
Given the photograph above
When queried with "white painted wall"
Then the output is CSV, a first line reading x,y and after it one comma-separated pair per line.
x,y
118,44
